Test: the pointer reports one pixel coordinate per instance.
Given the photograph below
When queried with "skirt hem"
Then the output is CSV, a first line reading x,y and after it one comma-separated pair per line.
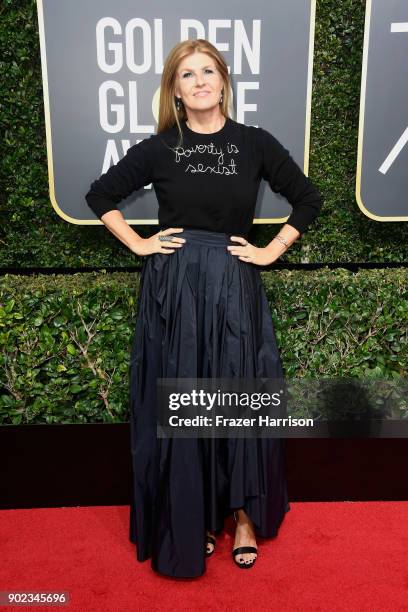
x,y
142,558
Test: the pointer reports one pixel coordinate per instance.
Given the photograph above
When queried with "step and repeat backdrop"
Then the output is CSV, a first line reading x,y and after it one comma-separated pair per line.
x,y
102,66
342,333
382,180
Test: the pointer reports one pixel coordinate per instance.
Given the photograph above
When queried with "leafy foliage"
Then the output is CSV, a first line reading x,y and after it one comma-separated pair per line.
x,y
65,340
341,232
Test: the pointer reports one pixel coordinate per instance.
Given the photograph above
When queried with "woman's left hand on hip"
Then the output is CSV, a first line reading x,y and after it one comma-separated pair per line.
x,y
246,251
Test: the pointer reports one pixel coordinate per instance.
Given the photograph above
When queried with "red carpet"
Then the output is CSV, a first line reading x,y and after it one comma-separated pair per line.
x,y
327,556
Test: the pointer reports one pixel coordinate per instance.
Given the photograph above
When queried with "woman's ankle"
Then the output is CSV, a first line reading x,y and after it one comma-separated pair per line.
x,y
242,519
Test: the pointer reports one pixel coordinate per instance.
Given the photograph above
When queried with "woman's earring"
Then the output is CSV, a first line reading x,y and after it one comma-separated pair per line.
x,y
178,103
221,98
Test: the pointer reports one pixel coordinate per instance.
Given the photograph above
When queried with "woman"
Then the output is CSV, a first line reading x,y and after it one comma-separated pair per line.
x,y
203,311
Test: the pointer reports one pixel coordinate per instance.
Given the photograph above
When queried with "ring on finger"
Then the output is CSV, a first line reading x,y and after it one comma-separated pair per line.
x,y
166,237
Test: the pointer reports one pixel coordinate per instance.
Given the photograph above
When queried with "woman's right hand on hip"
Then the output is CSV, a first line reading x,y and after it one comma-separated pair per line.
x,y
148,246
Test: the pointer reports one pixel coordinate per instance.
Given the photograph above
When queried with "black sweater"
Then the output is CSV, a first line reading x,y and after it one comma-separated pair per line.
x,y
211,181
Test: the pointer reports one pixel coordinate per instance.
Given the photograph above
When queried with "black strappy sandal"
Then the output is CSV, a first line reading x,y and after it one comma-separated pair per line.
x,y
243,549
209,540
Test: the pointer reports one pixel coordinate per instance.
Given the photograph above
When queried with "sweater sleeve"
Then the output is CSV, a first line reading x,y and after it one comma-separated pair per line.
x,y
286,177
132,172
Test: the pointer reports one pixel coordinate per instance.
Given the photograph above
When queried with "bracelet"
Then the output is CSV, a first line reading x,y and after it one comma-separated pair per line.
x,y
282,240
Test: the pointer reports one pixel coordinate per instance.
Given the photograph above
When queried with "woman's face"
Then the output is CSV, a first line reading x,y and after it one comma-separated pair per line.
x,y
198,82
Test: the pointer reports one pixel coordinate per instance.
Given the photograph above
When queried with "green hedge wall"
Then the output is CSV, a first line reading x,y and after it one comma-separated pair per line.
x,y
65,340
32,234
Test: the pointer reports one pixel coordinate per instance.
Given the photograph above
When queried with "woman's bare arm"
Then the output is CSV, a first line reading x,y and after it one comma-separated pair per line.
x,y
276,248
116,223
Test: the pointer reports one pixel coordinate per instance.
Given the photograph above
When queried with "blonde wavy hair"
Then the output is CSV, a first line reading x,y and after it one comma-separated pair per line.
x,y
168,113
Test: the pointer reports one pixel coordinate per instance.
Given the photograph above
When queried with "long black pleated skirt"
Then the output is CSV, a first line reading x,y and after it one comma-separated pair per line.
x,y
202,313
